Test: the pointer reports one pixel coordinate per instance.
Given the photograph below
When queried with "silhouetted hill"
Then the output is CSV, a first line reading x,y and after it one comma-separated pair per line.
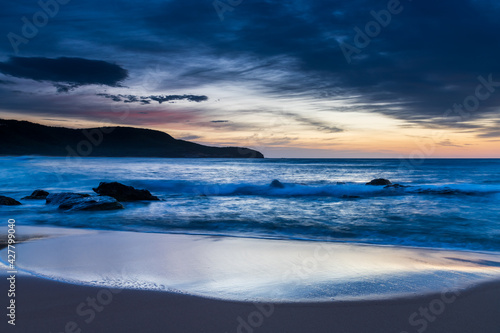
x,y
26,138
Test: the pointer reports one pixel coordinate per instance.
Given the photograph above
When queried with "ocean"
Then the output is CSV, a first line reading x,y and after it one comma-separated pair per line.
x,y
448,203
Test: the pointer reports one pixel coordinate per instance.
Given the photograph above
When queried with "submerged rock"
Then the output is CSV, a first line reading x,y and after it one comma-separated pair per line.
x,y
276,184
396,186
6,201
77,201
37,195
123,192
93,203
58,198
379,182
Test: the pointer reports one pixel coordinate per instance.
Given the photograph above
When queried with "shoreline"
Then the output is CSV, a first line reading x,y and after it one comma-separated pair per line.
x,y
55,306
50,306
242,268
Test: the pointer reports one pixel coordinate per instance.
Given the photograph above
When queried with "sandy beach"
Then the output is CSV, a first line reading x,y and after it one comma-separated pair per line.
x,y
48,306
179,294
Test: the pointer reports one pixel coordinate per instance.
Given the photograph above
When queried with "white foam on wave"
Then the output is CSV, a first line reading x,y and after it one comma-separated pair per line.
x,y
328,189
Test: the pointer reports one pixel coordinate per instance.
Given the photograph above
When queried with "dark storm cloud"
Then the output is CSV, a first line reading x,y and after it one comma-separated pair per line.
x,y
116,98
426,60
157,98
64,88
65,73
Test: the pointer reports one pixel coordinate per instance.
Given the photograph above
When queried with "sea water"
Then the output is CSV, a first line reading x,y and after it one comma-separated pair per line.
x,y
447,203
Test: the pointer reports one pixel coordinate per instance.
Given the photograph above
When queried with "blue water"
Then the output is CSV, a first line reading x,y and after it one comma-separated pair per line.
x,y
448,204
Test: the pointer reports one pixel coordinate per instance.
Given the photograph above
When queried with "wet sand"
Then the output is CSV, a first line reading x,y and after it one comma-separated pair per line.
x,y
210,284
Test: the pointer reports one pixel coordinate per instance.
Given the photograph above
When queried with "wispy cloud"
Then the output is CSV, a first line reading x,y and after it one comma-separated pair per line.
x,y
190,137
316,124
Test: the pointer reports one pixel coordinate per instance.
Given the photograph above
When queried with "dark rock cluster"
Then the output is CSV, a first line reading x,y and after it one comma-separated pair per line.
x,y
6,201
77,201
110,195
37,195
379,182
123,192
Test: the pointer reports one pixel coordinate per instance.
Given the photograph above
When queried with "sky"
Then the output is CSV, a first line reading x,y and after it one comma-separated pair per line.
x,y
298,78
